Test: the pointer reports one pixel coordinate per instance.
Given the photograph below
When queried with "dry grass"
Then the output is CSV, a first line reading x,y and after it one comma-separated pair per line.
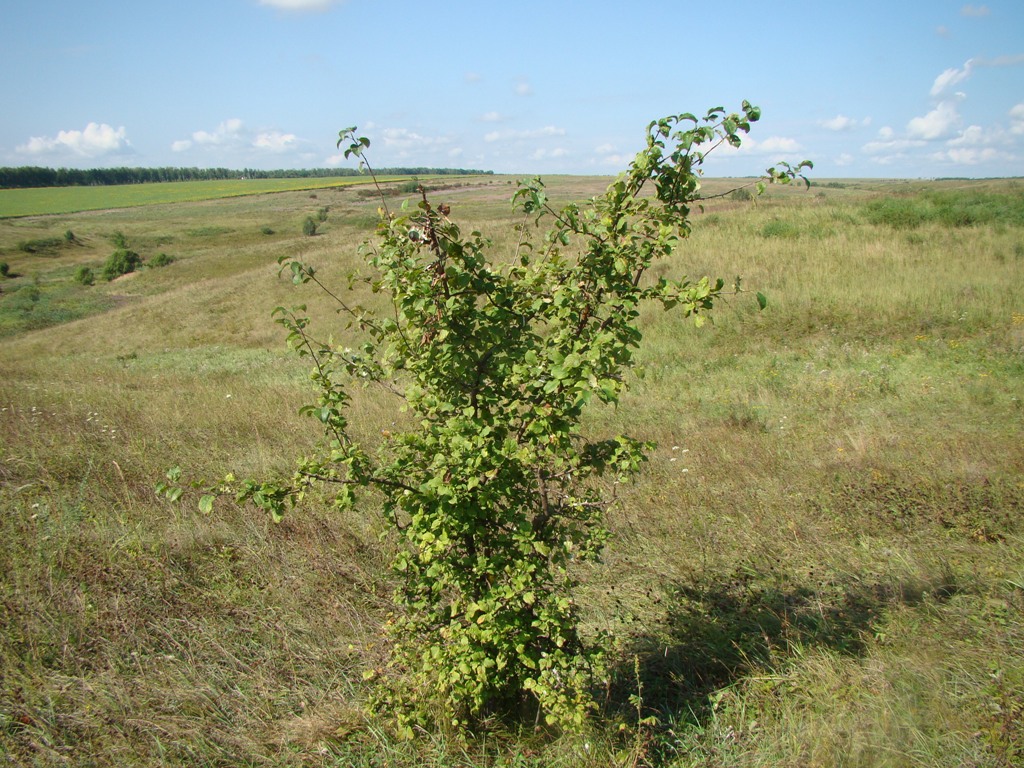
x,y
823,564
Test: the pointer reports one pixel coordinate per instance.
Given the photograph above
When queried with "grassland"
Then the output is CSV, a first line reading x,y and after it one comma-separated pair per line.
x,y
59,200
823,564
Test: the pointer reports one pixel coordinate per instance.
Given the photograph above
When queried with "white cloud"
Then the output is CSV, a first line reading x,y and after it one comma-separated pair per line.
x,y
1017,119
843,123
523,88
891,144
227,132
548,154
885,133
472,77
97,139
535,133
231,138
838,123
951,77
937,123
300,5
845,159
975,10
491,117
971,136
614,160
403,138
773,145
275,141
967,155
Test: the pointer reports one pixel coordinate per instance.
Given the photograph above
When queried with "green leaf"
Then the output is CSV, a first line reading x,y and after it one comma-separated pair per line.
x,y
762,300
206,504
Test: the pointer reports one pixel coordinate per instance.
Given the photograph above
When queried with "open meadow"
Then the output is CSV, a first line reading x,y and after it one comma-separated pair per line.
x,y
822,563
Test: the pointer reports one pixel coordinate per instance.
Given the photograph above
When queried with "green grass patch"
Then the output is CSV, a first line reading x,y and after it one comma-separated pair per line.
x,y
946,208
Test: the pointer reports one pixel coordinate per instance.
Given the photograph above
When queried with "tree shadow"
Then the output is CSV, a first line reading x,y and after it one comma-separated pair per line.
x,y
715,634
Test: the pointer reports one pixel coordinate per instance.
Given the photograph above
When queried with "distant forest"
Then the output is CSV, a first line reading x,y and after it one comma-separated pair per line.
x,y
32,176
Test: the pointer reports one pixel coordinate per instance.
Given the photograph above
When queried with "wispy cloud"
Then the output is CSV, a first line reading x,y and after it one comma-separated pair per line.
x,y
536,133
96,140
954,76
951,77
300,5
843,123
403,138
975,11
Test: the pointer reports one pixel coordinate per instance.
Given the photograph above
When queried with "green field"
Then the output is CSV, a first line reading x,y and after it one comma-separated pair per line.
x,y
822,565
56,200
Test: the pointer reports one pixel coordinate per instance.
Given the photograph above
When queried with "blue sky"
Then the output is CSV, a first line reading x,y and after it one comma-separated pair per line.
x,y
911,89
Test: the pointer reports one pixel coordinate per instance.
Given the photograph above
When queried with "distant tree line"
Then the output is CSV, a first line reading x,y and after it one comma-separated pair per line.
x,y
34,176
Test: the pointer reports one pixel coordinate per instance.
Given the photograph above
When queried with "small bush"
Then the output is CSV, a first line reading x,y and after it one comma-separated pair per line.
x,y
85,275
309,227
321,215
741,195
69,236
267,231
121,262
5,269
161,260
119,240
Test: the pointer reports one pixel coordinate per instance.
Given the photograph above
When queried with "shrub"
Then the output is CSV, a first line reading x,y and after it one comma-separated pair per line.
x,y
495,492
309,227
69,236
119,240
85,276
121,262
267,231
321,215
741,195
5,269
160,260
